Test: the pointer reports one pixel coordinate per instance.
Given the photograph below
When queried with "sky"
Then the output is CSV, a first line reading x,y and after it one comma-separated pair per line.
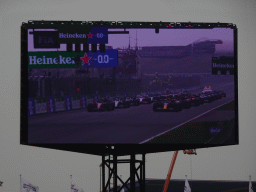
x,y
165,37
51,169
169,37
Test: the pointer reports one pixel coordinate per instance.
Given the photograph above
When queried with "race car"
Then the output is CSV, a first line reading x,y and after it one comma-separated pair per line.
x,y
208,98
215,95
186,101
133,101
101,105
170,104
183,99
207,89
222,93
155,97
196,100
151,96
121,103
163,98
144,99
219,95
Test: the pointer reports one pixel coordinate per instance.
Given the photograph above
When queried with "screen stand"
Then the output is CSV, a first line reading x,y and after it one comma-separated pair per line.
x,y
110,162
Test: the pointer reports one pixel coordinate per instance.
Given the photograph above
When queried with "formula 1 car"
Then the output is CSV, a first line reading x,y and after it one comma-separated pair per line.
x,y
207,97
207,90
215,95
133,101
186,101
168,105
163,98
183,99
219,95
196,100
144,99
155,97
101,105
121,103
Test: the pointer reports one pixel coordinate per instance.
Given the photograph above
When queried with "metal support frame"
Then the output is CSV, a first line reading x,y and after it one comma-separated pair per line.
x,y
111,164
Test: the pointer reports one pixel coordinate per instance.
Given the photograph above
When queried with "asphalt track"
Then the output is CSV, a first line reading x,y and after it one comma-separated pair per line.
x,y
131,125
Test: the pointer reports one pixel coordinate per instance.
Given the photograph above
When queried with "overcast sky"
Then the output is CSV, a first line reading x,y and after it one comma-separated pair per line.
x,y
51,169
165,37
169,37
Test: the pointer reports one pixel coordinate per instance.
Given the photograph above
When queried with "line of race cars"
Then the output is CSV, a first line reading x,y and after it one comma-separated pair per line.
x,y
105,104
162,102
177,102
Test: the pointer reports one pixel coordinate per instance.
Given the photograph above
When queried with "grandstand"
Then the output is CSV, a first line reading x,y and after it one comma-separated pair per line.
x,y
193,58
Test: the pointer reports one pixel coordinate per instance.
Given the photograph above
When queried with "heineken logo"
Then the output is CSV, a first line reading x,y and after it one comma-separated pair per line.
x,y
215,65
63,59
34,60
74,35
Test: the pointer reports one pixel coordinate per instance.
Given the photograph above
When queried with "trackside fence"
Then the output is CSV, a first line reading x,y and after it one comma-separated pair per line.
x,y
37,106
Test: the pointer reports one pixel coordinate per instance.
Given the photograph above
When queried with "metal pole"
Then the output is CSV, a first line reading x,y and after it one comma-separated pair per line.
x,y
109,174
71,183
132,173
250,185
20,184
103,174
121,179
143,176
191,166
100,177
115,172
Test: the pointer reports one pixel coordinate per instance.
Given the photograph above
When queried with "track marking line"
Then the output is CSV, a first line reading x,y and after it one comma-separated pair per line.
x,y
185,122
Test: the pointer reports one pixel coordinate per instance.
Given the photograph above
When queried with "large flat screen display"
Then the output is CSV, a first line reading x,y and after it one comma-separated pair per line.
x,y
133,87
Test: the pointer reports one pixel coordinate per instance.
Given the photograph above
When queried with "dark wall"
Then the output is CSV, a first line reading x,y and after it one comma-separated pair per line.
x,y
49,86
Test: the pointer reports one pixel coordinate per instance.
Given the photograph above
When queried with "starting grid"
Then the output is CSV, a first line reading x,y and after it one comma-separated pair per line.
x,y
52,104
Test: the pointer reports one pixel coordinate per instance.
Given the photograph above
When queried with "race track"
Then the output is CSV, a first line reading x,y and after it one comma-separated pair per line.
x,y
131,125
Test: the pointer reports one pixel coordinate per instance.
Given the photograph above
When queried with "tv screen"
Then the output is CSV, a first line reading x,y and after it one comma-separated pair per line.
x,y
129,85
